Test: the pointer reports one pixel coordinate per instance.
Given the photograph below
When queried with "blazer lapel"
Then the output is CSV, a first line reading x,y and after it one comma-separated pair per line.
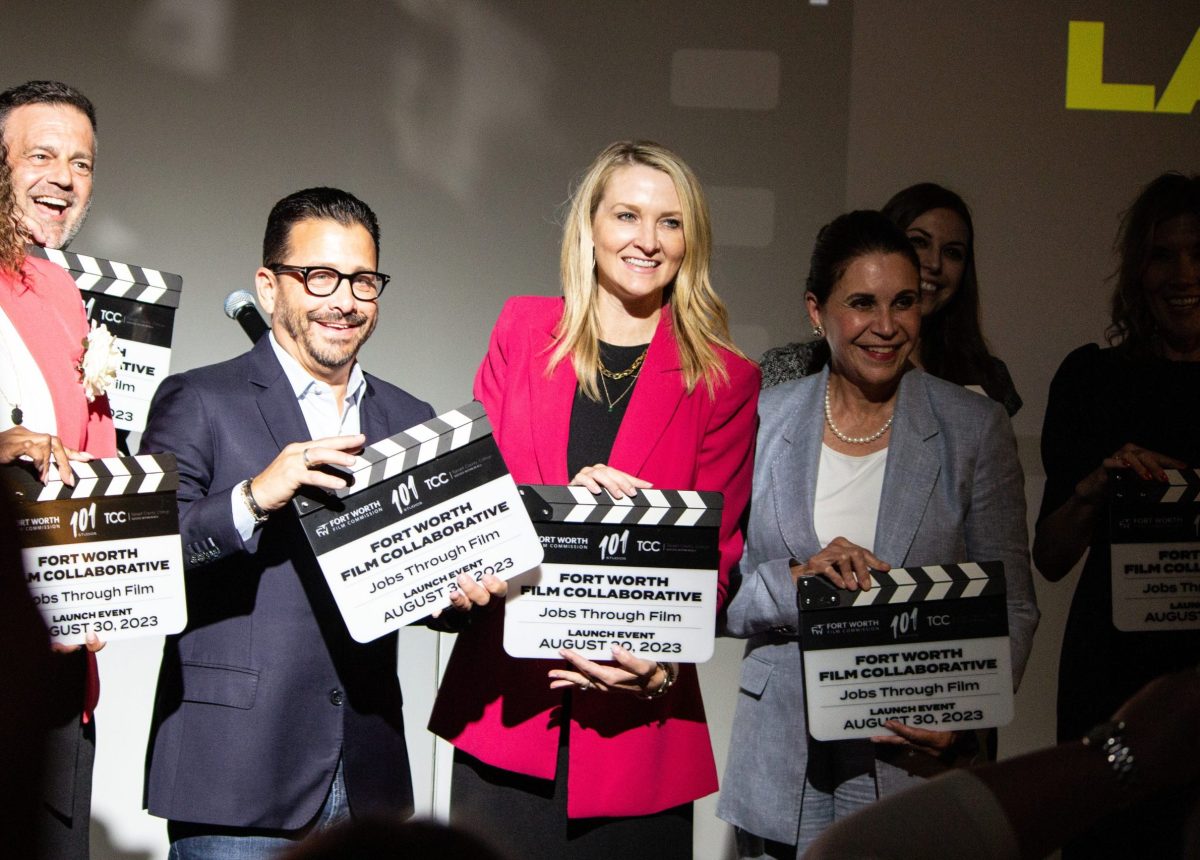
x,y
550,399
276,402
912,470
794,472
655,398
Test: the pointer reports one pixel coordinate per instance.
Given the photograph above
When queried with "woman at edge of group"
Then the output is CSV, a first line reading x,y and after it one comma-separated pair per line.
x,y
870,463
938,223
630,380
1134,406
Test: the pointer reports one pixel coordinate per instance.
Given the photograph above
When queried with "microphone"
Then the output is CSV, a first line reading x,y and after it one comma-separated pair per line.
x,y
240,307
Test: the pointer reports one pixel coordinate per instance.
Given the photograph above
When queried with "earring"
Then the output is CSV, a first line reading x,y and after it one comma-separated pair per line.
x,y
818,331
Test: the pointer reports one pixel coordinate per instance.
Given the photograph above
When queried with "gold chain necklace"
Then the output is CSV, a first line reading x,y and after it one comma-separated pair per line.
x,y
612,403
637,362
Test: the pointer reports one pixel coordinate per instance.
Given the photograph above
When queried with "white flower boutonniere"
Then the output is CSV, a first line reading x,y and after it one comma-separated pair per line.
x,y
101,360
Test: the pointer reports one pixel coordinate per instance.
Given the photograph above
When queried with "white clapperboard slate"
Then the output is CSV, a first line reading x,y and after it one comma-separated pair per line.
x,y
423,506
640,572
927,646
1155,535
104,555
138,305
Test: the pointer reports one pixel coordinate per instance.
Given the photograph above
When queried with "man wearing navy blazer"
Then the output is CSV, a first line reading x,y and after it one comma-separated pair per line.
x,y
270,722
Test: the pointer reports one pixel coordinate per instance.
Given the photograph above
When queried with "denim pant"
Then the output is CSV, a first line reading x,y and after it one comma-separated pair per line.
x,y
227,843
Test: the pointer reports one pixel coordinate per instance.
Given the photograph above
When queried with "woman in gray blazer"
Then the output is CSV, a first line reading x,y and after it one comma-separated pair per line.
x,y
869,464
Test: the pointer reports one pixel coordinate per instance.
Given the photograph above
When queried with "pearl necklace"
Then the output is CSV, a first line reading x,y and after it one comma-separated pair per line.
x,y
853,440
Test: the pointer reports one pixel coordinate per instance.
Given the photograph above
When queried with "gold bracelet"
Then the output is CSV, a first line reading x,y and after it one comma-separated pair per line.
x,y
260,515
670,674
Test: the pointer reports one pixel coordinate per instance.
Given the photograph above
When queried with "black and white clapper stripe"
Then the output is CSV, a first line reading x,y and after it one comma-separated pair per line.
x,y
1181,487
115,476
647,508
908,585
125,280
416,445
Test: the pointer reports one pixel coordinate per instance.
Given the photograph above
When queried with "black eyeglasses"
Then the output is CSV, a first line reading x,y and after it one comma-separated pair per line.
x,y
322,281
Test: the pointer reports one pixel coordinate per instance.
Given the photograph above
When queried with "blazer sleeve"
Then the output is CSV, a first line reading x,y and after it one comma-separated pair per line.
x,y
764,593
996,529
492,376
766,599
726,461
180,423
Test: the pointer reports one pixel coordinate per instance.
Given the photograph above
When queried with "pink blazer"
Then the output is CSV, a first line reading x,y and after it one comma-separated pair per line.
x,y
627,756
45,308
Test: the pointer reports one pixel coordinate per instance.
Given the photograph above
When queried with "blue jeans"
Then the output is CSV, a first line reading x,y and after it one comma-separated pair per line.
x,y
226,843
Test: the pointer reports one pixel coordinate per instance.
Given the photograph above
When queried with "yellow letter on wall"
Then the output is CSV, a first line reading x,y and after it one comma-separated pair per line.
x,y
1183,91
1086,89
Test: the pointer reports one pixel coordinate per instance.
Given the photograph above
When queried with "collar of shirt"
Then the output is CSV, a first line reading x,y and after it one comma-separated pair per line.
x,y
316,398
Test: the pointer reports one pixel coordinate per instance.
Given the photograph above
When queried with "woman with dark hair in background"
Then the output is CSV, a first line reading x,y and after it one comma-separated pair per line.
x,y
938,224
629,380
1134,406
869,463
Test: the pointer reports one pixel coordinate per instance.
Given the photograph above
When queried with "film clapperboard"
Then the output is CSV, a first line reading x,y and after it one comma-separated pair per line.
x,y
927,646
103,555
423,506
138,305
1155,534
640,572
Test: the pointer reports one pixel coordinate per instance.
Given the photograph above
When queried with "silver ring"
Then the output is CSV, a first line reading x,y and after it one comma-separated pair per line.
x,y
307,464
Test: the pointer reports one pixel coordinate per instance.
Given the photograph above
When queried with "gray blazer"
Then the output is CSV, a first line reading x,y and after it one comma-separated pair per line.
x,y
952,491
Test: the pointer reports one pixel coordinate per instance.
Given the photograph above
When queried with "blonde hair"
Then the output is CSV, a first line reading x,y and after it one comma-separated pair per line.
x,y
12,239
701,323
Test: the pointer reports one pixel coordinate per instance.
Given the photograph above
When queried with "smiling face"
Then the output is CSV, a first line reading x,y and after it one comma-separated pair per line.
x,y
942,242
1171,281
52,151
323,334
637,231
872,320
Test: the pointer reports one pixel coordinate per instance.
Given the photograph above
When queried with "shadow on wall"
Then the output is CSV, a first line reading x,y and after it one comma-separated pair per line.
x,y
103,847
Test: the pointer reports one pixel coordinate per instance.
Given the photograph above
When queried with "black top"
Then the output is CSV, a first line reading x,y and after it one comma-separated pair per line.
x,y
594,425
1099,400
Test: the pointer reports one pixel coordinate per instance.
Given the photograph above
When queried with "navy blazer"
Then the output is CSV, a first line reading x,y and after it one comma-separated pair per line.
x,y
265,688
952,491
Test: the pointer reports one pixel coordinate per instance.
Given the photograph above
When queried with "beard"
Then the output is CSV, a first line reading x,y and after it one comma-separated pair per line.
x,y
73,227
328,355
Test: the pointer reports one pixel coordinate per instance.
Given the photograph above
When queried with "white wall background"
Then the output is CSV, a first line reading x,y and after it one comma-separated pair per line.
x,y
463,123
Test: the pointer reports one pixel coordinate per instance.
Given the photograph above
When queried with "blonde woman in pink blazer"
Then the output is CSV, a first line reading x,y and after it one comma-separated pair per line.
x,y
628,381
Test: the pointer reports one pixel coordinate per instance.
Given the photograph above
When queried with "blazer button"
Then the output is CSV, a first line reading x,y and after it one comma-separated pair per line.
x,y
336,697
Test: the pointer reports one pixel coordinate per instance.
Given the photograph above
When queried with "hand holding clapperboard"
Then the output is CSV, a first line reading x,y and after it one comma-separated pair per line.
x,y
639,572
1155,534
437,501
927,646
422,507
103,556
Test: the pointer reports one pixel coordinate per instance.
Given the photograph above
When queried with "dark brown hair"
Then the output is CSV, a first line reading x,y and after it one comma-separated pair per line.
x,y
1168,196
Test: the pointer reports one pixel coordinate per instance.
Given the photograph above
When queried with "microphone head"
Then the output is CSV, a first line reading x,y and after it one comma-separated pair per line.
x,y
236,301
